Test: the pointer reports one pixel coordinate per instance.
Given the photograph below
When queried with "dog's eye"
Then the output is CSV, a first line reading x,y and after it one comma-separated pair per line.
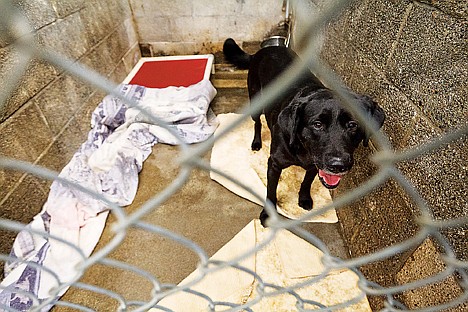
x,y
317,125
352,125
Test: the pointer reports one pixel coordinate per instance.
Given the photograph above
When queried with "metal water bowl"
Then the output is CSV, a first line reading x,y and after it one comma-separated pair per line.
x,y
274,41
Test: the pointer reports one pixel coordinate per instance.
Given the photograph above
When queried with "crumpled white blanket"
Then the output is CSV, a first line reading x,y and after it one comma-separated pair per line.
x,y
108,164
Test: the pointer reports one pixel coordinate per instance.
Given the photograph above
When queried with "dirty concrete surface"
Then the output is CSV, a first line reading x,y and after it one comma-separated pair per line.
x,y
202,211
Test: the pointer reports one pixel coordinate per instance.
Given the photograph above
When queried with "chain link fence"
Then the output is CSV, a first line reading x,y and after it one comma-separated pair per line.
x,y
192,157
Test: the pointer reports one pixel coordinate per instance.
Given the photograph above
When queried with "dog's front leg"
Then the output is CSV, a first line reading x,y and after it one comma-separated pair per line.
x,y
273,175
257,140
305,200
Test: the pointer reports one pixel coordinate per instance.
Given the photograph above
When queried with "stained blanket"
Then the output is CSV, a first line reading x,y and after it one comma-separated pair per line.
x,y
108,163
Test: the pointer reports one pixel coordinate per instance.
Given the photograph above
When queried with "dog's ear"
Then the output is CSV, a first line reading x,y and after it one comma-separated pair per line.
x,y
374,112
289,120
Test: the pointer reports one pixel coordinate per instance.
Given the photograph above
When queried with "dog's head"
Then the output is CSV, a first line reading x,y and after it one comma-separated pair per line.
x,y
324,134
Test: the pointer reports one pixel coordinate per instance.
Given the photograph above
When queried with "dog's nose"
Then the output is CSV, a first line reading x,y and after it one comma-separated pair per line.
x,y
338,165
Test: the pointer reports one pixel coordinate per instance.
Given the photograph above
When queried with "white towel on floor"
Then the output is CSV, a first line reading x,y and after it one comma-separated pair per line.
x,y
285,261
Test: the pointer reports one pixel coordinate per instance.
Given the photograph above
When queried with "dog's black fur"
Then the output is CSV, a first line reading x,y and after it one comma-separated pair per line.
x,y
309,127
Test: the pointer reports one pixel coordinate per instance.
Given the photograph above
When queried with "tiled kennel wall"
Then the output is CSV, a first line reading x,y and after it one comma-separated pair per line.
x,y
412,57
48,116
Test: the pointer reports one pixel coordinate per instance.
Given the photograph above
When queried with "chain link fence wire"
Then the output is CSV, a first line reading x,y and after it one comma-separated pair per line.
x,y
20,33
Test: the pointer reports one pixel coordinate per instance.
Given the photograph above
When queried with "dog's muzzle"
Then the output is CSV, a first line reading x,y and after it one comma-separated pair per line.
x,y
332,172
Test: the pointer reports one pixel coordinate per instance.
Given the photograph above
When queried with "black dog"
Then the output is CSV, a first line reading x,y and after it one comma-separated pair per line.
x,y
309,127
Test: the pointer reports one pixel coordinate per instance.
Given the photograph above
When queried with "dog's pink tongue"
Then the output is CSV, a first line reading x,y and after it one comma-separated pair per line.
x,y
330,179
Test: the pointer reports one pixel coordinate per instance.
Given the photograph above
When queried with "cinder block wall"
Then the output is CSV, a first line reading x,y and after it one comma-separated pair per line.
x,y
412,57
190,27
48,116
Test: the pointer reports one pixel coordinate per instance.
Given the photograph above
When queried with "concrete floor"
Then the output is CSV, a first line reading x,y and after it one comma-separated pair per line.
x,y
202,211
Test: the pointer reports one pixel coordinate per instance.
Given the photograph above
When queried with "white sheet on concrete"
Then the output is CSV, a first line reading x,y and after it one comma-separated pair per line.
x,y
286,261
233,156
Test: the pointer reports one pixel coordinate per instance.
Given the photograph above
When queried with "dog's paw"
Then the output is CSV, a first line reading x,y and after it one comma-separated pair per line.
x,y
256,146
263,218
305,202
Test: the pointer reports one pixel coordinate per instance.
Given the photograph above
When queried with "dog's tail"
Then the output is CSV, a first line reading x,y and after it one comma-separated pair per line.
x,y
235,55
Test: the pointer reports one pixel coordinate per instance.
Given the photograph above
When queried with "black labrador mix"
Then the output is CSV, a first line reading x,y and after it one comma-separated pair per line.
x,y
309,127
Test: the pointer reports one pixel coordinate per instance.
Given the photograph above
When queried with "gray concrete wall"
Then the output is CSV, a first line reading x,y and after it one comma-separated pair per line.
x,y
412,57
47,117
188,27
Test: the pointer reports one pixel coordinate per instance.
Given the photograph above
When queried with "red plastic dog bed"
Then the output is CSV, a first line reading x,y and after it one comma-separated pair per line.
x,y
178,71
